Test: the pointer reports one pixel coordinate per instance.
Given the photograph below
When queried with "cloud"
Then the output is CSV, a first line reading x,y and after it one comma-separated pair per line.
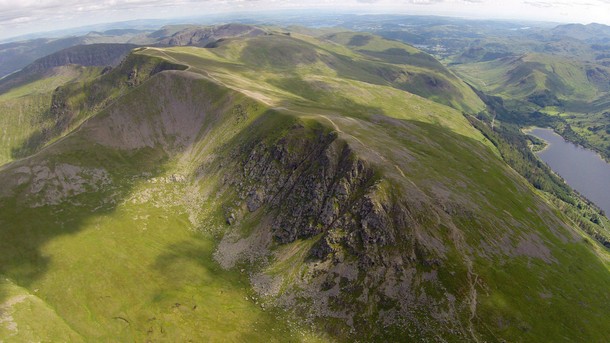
x,y
424,2
431,2
20,20
540,4
49,10
23,16
553,4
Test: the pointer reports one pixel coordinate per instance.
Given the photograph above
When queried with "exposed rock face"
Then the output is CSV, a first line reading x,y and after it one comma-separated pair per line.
x,y
365,250
371,261
47,184
329,235
309,189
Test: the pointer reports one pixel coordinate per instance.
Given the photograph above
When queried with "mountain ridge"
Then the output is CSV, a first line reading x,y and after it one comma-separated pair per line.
x,y
354,206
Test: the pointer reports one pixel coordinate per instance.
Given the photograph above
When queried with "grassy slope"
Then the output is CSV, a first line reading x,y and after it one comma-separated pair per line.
x,y
45,106
306,81
25,108
425,75
516,295
519,77
20,306
161,257
379,61
133,267
135,273
580,87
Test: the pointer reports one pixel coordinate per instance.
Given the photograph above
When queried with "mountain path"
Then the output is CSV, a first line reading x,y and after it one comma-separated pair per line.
x,y
473,278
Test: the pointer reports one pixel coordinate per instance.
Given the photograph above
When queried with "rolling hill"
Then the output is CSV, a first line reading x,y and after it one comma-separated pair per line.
x,y
282,187
550,90
36,102
60,109
14,56
526,76
591,33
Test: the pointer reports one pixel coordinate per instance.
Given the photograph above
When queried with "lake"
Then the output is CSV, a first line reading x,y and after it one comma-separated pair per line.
x,y
583,169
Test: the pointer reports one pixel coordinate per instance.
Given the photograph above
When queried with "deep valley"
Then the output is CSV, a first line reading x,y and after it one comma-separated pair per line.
x,y
260,183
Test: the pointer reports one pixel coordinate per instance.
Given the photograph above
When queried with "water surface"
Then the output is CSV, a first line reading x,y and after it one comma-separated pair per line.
x,y
583,169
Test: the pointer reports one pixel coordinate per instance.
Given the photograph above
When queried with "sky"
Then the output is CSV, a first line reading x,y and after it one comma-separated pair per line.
x,y
19,17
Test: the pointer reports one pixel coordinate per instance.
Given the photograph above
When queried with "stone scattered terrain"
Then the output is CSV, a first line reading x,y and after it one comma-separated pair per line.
x,y
203,200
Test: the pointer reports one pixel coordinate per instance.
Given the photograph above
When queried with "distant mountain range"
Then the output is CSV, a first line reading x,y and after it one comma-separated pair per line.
x,y
257,183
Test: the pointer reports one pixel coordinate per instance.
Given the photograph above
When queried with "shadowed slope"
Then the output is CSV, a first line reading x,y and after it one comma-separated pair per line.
x,y
359,208
61,98
114,219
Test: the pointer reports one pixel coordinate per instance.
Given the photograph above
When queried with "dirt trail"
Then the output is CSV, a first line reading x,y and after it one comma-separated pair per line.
x,y
258,96
335,126
473,279
168,57
460,244
400,171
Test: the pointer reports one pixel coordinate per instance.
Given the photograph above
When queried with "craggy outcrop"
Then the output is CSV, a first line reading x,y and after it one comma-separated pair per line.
x,y
372,261
309,190
368,246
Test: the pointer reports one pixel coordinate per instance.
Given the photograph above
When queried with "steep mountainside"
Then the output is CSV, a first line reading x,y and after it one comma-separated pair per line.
x,y
546,75
101,55
26,108
17,55
592,33
530,76
279,188
62,109
420,73
570,95
202,36
84,55
55,94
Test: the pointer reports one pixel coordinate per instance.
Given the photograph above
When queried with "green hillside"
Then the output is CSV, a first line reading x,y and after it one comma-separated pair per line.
x,y
282,188
25,109
46,103
550,90
529,75
418,72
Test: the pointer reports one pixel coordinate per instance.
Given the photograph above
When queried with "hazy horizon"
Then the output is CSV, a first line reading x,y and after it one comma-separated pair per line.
x,y
29,17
